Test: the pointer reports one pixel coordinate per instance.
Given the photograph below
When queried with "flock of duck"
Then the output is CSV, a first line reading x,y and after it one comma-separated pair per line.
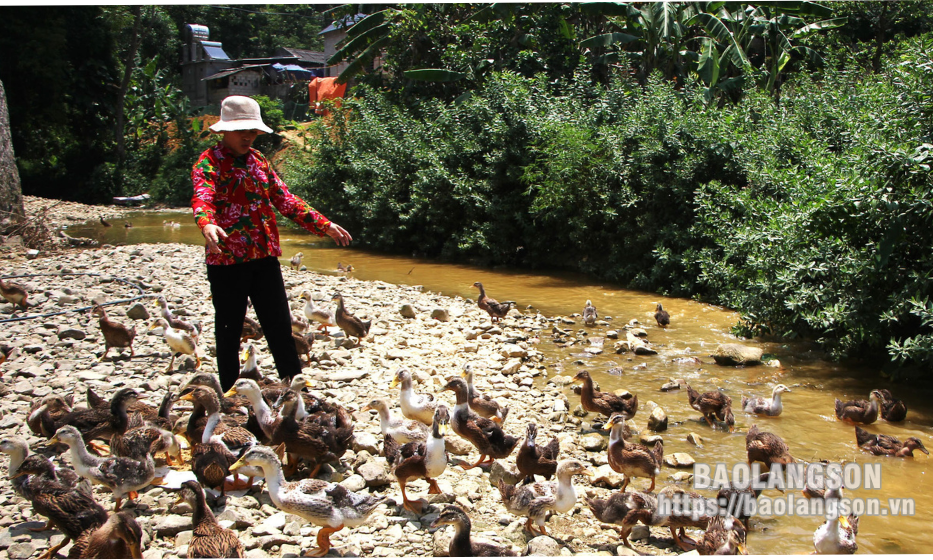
x,y
265,428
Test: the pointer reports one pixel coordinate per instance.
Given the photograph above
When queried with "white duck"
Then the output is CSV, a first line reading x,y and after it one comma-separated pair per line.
x,y
768,407
325,317
415,406
837,534
401,429
180,341
538,498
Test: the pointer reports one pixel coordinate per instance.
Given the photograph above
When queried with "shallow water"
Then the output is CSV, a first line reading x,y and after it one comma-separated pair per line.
x,y
807,425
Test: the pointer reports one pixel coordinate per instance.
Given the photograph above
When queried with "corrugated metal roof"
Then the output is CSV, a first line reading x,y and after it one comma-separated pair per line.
x,y
306,55
232,71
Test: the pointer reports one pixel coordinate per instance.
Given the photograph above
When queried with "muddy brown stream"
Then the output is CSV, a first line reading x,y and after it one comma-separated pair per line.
x,y
807,424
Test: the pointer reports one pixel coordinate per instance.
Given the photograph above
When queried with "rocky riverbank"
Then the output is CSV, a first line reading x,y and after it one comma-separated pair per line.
x,y
58,353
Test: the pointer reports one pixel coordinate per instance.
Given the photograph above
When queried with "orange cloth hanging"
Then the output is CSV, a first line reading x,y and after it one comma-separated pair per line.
x,y
320,89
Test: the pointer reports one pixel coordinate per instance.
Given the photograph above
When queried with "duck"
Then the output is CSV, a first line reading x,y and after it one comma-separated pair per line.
x,y
299,325
327,504
250,367
102,423
589,314
632,459
262,412
44,413
209,540
892,410
712,404
402,430
181,342
860,411
123,475
767,407
881,444
351,325
317,439
343,269
532,460
119,537
495,309
662,317
147,438
174,321
70,508
15,294
599,402
18,450
127,225
481,403
303,344
462,545
104,222
740,505
295,261
324,317
252,330
415,460
231,406
538,498
724,536
115,334
415,406
766,448
837,534
488,438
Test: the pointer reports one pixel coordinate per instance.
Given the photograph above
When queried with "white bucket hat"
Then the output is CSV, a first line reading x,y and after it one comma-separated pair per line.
x,y
239,112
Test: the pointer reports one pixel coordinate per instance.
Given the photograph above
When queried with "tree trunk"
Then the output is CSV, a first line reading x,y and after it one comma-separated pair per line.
x,y
11,192
128,65
879,39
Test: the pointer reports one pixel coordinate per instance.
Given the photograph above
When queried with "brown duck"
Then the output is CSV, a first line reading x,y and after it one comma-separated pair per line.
x,y
102,423
860,411
120,537
481,403
712,404
606,404
462,545
252,330
662,317
632,459
532,460
415,460
115,334
210,540
495,309
881,444
488,438
352,326
766,448
892,410
14,293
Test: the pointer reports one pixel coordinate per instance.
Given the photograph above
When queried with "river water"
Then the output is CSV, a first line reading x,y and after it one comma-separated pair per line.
x,y
808,423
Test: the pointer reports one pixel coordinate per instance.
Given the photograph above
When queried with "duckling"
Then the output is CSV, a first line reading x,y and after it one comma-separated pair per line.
x,y
481,403
768,407
488,438
303,344
712,404
123,475
538,498
589,314
860,411
837,534
606,404
252,330
723,536
766,447
415,406
495,309
662,317
44,413
401,430
14,293
420,460
323,503
102,423
532,460
210,540
295,261
104,222
119,537
70,509
351,325
632,459
881,444
462,545
115,334
174,321
892,410
324,317
181,342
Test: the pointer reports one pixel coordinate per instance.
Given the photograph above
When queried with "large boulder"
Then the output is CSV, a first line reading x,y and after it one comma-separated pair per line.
x,y
737,355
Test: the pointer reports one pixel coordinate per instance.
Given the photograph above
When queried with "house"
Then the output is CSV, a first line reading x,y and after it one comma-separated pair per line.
x,y
333,34
200,58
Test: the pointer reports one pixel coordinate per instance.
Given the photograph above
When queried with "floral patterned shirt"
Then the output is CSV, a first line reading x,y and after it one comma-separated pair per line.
x,y
237,193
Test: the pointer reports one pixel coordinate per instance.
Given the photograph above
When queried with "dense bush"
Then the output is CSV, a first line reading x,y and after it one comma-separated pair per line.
x,y
811,217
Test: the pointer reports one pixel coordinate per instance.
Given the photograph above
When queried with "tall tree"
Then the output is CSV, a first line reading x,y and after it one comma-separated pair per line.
x,y
11,194
129,63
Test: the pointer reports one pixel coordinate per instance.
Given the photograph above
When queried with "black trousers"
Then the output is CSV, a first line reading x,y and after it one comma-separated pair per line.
x,y
260,281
